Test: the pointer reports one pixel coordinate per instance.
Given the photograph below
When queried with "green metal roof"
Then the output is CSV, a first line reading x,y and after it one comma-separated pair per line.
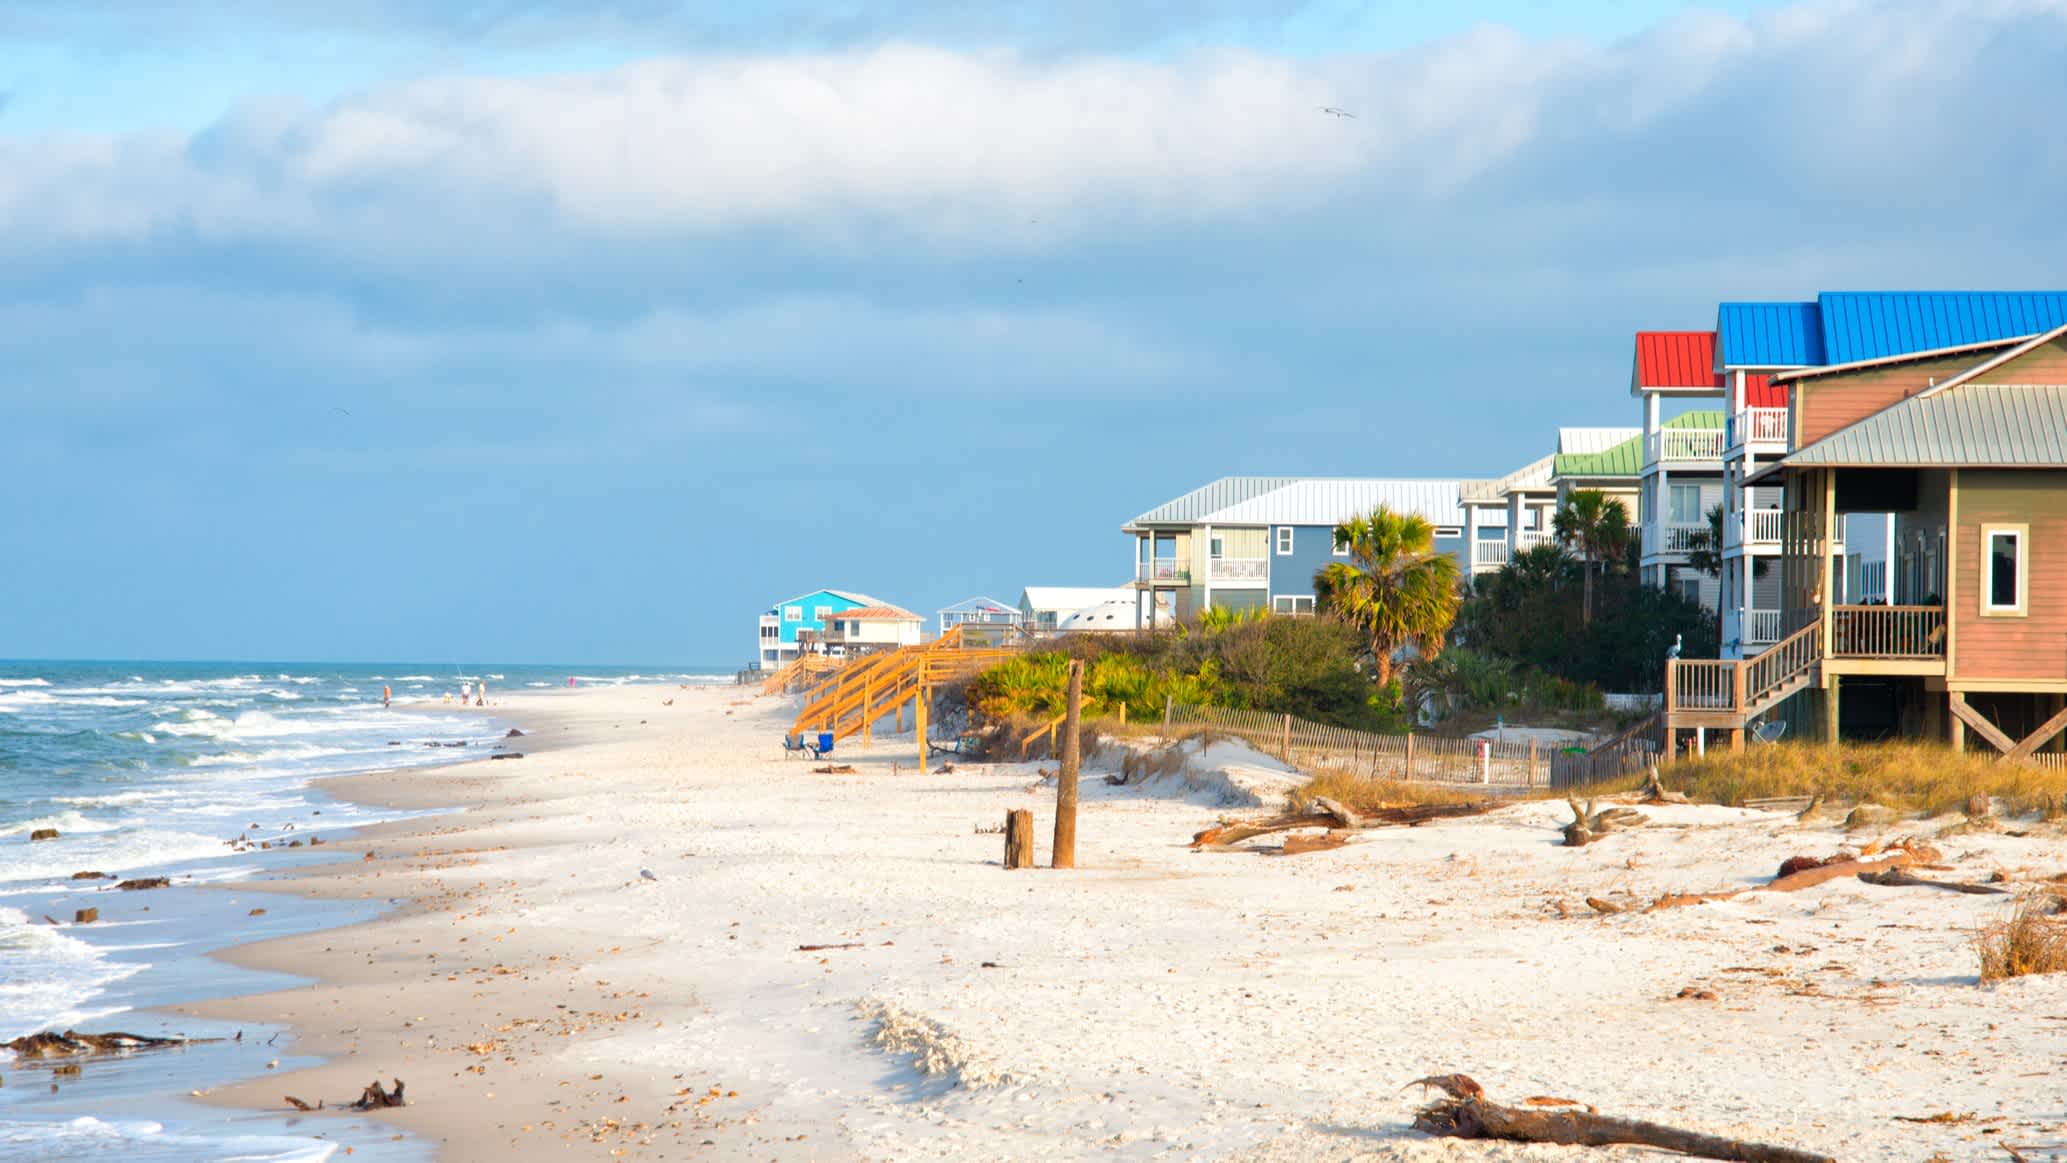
x,y
1627,458
1971,425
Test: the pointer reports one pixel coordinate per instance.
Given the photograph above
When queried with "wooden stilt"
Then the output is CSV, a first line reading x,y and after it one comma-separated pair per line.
x,y
919,725
1019,840
1065,854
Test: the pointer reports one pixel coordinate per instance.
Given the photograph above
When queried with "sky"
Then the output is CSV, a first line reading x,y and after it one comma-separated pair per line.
x,y
535,331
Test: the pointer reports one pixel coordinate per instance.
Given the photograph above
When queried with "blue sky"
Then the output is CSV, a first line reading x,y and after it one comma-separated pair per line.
x,y
349,329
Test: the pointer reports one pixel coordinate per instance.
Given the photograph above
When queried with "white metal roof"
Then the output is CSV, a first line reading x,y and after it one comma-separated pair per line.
x,y
1582,440
1533,475
1332,501
854,596
976,603
1191,508
1070,599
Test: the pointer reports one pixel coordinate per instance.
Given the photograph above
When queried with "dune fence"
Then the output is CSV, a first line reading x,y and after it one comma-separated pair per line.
x,y
1310,746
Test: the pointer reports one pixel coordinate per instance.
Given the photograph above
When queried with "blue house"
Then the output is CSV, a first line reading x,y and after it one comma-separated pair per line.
x,y
795,625
1245,543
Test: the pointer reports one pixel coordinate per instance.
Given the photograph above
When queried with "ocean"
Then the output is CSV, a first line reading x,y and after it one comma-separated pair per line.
x,y
185,770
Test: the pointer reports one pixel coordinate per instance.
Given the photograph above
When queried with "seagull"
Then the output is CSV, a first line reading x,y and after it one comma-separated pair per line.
x,y
647,874
1332,111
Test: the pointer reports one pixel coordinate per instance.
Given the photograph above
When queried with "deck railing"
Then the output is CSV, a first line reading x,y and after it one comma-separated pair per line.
x,y
1759,426
1896,632
1488,554
1162,571
1783,663
1739,686
1756,528
1677,444
1238,568
1663,538
1703,684
1761,626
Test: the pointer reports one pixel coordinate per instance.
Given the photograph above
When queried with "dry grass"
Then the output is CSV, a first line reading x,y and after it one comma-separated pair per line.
x,y
1915,777
1363,794
2032,940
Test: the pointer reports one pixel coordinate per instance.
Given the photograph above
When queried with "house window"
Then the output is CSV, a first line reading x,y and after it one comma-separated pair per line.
x,y
1685,505
1688,588
1284,541
820,612
1292,604
1341,544
1214,547
770,632
2004,569
793,613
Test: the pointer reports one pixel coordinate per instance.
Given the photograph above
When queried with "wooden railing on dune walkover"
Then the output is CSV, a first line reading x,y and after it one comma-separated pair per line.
x,y
851,699
1742,687
1310,746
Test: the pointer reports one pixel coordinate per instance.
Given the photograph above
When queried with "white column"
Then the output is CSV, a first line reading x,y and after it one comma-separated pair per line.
x,y
1208,579
1514,524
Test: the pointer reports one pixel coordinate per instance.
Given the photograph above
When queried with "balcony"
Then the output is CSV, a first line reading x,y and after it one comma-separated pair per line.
x,y
1887,632
1488,555
1754,529
1764,429
1238,569
1163,570
1681,445
1674,538
1529,539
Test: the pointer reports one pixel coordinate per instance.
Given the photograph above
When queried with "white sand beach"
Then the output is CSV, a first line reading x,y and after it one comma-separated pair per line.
x,y
543,999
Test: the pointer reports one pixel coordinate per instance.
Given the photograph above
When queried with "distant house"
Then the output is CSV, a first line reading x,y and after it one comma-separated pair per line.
x,y
795,624
1608,459
1043,609
1964,448
1244,543
1509,515
869,628
979,611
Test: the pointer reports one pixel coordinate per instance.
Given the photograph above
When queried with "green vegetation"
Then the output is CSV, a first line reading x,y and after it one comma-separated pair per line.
x,y
1930,778
1297,666
1596,528
1463,679
1395,587
1533,614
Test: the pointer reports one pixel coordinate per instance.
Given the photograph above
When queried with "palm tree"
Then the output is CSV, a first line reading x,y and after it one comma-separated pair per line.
x,y
1396,586
1595,527
1704,549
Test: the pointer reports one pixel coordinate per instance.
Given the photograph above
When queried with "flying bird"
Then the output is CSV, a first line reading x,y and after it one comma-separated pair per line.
x,y
1331,111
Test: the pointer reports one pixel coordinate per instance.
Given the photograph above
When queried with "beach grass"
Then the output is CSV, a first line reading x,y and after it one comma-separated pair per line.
x,y
2032,940
1361,793
1926,778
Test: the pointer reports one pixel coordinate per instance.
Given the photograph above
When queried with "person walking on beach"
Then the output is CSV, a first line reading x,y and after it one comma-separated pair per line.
x,y
481,693
387,696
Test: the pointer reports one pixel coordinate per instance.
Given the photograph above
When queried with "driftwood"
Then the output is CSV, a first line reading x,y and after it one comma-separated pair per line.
x,y
72,1042
1802,872
1326,813
374,1097
143,882
1466,1114
299,1105
1294,845
1655,793
1896,878
841,945
834,769
1588,825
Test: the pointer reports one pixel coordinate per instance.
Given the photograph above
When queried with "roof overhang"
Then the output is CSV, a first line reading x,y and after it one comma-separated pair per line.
x,y
1804,373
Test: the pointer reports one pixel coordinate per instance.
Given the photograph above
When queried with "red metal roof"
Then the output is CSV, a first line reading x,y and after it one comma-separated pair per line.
x,y
1675,359
1761,392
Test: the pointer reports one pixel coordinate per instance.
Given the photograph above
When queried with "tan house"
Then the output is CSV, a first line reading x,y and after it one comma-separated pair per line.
x,y
1966,449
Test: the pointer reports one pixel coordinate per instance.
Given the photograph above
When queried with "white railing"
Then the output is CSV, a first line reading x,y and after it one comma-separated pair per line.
x,y
1675,444
1757,528
1674,538
1238,568
1488,554
1759,426
1163,570
1761,627
1529,539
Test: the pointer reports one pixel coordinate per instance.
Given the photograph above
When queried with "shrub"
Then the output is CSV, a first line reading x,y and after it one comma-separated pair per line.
x,y
2031,940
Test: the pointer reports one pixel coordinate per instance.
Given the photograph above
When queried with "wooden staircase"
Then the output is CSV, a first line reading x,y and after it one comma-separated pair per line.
x,y
852,699
1728,694
804,668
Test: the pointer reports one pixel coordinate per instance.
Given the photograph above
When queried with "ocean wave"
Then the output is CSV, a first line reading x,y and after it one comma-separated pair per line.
x,y
24,682
141,1141
47,977
15,700
415,678
66,823
137,736
284,696
64,699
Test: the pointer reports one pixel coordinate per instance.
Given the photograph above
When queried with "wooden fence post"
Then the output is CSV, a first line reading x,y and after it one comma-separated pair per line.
x,y
1019,842
1169,707
1285,746
1408,775
1532,762
1065,855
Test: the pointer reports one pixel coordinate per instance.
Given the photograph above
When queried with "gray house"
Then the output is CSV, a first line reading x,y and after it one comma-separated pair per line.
x,y
1244,543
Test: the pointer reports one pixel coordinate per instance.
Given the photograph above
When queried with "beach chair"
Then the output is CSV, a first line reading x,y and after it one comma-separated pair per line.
x,y
793,746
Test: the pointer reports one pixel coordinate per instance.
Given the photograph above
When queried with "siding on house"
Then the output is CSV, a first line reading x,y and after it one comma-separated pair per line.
x,y
2046,364
1821,407
2033,646
1313,547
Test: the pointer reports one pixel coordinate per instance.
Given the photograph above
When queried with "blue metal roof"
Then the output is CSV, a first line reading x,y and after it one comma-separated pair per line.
x,y
1875,325
1768,335
1848,326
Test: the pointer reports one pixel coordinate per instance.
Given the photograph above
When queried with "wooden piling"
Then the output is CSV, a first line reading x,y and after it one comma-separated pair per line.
x,y
1019,841
1065,855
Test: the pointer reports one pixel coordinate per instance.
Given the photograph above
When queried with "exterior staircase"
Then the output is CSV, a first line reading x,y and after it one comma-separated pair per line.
x,y
850,700
1729,693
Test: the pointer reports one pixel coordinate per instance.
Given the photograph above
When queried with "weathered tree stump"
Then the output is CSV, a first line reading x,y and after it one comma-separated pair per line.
x,y
43,834
85,916
1019,839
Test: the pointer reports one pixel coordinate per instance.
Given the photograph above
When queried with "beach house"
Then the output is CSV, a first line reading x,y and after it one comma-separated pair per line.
x,y
864,629
1964,447
977,611
794,625
1680,479
1607,460
1508,515
1246,543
